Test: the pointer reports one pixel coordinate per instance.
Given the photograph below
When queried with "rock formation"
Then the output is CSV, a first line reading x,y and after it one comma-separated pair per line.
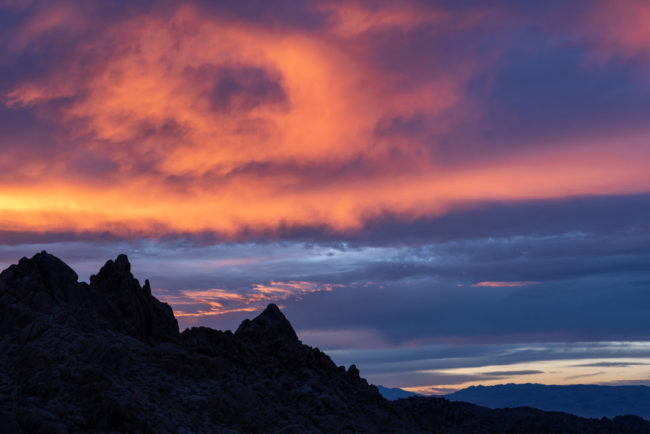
x,y
108,357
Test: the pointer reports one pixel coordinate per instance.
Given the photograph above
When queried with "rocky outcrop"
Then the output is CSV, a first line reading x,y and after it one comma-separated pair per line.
x,y
129,307
44,286
41,283
270,326
107,357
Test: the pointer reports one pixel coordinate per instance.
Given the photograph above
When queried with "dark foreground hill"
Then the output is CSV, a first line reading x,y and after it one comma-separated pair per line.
x,y
108,357
582,400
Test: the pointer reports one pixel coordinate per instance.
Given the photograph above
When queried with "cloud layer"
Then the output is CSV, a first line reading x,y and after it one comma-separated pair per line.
x,y
460,180
145,121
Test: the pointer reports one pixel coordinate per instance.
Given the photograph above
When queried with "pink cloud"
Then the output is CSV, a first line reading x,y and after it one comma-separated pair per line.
x,y
216,301
505,284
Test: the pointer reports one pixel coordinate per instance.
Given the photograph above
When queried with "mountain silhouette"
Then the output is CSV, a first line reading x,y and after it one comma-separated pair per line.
x,y
107,356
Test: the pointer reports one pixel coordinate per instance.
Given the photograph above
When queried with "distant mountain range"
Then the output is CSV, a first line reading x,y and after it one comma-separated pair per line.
x,y
582,400
393,393
107,356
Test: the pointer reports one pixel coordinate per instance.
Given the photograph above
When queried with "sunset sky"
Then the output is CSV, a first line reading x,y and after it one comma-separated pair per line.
x,y
444,193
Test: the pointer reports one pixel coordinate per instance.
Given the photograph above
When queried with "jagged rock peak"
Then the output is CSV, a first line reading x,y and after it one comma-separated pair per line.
x,y
270,324
273,312
132,307
120,268
122,263
353,371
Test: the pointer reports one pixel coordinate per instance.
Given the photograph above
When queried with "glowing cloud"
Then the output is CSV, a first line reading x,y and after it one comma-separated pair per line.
x,y
191,122
216,301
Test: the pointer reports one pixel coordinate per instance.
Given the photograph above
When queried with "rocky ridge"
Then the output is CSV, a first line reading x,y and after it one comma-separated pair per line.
x,y
108,357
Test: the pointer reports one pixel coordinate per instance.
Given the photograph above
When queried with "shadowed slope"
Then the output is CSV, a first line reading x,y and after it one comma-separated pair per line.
x,y
108,356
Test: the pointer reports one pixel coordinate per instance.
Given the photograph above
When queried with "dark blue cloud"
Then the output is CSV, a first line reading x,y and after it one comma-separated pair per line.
x,y
532,81
544,89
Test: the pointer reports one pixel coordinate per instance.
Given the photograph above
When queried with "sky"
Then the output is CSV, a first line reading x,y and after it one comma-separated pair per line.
x,y
443,193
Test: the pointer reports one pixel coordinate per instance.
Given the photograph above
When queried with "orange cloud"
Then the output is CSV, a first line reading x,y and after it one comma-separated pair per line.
x,y
146,207
155,85
223,126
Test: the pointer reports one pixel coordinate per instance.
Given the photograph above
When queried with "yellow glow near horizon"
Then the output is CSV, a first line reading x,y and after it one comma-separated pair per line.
x,y
558,372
